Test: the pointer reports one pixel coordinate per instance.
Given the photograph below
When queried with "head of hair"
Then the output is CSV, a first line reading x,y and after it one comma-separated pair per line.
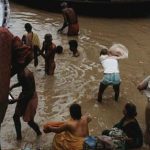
x,y
59,49
48,37
75,111
73,45
64,4
130,110
28,27
104,51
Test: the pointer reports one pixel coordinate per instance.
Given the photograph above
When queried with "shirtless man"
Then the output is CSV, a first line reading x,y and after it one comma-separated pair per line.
x,y
26,103
49,50
77,125
70,20
70,134
31,39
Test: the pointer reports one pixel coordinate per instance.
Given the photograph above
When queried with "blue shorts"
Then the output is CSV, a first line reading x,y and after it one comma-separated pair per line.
x,y
111,79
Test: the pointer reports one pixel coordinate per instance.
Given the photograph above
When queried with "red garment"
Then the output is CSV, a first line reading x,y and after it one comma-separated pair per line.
x,y
73,29
31,108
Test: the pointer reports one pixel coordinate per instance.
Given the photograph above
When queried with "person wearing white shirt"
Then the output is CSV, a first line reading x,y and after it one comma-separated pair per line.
x,y
111,74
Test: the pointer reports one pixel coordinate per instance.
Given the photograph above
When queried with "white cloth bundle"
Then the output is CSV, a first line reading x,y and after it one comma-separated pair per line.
x,y
119,51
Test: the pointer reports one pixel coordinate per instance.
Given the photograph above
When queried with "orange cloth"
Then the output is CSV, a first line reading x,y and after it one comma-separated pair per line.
x,y
65,140
31,108
73,29
53,124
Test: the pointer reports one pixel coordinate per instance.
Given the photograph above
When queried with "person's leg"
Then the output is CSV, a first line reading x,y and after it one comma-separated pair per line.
x,y
35,127
47,65
52,68
17,123
102,88
117,91
35,49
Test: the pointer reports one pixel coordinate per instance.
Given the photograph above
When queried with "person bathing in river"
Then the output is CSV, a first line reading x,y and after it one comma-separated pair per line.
x,y
31,39
70,134
70,20
49,50
73,45
111,74
26,103
130,126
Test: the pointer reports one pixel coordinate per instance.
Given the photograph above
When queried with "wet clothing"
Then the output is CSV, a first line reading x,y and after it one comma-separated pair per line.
x,y
133,131
73,29
66,141
50,51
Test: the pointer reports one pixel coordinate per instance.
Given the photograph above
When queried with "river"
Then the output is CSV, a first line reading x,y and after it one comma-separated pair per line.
x,y
77,79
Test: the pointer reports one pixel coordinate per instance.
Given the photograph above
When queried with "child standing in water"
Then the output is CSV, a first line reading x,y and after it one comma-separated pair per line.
x,y
73,47
49,48
111,74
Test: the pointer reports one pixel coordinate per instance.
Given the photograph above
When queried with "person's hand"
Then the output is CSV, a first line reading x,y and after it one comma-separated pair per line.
x,y
46,130
140,87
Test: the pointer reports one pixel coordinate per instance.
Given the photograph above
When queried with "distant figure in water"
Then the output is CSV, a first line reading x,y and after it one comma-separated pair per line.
x,y
73,45
111,74
26,103
130,126
31,39
59,49
70,134
144,87
70,20
49,50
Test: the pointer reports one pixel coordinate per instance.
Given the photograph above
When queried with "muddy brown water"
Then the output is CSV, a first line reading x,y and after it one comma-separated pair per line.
x,y
77,79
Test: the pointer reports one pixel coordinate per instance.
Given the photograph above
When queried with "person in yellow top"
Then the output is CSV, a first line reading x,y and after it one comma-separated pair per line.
x,y
31,39
69,134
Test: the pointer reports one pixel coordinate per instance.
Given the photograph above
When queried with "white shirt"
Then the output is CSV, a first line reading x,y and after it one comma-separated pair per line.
x,y
110,64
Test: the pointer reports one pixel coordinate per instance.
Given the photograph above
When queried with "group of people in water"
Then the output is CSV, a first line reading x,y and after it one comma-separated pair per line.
x,y
71,134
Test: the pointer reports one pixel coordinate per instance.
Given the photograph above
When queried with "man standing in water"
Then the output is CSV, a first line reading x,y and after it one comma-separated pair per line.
x,y
70,20
31,39
26,103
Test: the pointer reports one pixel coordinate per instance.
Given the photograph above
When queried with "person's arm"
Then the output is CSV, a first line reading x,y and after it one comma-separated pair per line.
x,y
143,85
15,86
56,129
65,24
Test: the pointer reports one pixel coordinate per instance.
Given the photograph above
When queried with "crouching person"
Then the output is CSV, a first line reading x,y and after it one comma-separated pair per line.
x,y
71,133
130,126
